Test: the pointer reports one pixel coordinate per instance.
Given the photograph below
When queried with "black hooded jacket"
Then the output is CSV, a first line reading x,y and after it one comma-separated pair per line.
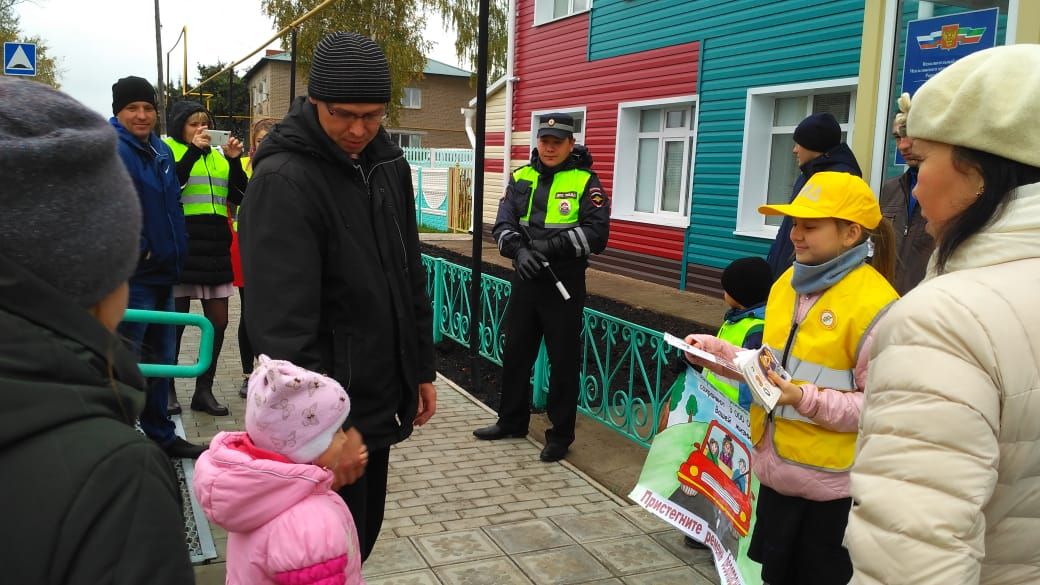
x,y
87,499
209,236
330,250
839,159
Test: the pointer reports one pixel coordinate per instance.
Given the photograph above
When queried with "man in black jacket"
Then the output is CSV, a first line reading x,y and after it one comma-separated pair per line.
x,y
553,216
330,250
86,498
817,148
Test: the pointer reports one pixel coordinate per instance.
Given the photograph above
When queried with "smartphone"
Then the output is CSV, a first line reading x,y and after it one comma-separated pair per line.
x,y
218,137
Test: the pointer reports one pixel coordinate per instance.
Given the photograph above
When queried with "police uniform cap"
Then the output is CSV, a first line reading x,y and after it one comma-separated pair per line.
x,y
556,124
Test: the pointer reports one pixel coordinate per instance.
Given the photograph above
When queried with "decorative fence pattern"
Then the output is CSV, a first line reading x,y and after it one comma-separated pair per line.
x,y
438,158
625,371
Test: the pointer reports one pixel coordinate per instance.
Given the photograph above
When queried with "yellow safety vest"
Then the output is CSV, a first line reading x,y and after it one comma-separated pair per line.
x,y
561,211
821,350
207,189
734,333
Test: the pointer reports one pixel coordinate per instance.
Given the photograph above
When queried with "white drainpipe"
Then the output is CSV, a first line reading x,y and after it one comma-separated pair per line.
x,y
507,139
469,113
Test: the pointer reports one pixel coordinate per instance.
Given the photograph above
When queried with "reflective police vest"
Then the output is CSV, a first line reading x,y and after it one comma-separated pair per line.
x,y
207,189
561,210
821,350
733,333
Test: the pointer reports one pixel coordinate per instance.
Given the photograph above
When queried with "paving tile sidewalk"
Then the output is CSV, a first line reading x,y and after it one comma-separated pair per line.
x,y
466,512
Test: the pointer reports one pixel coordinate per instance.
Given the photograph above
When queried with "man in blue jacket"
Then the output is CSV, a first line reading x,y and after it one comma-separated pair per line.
x,y
163,246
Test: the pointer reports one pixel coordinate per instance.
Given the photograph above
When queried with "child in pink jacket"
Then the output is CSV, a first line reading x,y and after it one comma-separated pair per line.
x,y
272,486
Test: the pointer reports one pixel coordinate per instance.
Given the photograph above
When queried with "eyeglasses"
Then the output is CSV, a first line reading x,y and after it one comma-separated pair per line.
x,y
369,119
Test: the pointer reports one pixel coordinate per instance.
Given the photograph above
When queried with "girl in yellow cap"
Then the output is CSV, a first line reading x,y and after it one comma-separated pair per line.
x,y
819,321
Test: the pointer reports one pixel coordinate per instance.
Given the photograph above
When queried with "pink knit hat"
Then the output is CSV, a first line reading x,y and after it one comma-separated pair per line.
x,y
293,411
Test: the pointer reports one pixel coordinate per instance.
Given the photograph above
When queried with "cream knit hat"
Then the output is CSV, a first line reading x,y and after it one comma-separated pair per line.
x,y
988,101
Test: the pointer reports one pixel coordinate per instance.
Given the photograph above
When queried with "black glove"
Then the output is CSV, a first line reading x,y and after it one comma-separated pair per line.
x,y
554,247
528,263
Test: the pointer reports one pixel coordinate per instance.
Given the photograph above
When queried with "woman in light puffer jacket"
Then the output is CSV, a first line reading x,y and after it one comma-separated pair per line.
x,y
946,483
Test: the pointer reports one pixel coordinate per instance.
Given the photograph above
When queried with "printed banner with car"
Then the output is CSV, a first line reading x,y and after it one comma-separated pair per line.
x,y
697,475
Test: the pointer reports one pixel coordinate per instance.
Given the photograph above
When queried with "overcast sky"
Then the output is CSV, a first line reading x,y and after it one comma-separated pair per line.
x,y
99,41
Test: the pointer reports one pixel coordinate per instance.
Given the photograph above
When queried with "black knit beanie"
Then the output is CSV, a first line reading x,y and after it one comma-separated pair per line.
x,y
70,212
748,280
348,68
818,132
129,90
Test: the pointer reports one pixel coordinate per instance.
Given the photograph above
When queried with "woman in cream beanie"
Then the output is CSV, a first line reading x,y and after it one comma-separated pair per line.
x,y
946,484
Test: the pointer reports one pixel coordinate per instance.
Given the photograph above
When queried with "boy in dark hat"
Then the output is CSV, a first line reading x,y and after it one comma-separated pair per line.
x,y
817,147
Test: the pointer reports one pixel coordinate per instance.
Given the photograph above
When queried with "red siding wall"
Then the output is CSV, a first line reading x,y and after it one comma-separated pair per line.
x,y
642,238
552,65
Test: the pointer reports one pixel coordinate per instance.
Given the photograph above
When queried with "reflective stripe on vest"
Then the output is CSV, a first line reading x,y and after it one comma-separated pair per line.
x,y
206,191
560,212
824,351
733,333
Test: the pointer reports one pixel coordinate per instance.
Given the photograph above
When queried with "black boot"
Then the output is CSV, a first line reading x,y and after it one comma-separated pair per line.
x,y
172,405
204,401
243,390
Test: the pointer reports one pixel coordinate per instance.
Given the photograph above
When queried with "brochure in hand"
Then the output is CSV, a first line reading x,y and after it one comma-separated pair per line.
x,y
754,364
674,341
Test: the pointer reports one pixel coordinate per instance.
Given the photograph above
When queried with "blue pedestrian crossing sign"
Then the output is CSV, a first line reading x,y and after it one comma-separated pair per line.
x,y
19,59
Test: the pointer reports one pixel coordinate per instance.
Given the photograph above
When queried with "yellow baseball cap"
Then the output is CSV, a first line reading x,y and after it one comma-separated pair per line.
x,y
830,194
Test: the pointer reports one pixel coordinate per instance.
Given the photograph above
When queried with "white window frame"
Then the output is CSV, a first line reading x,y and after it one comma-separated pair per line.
x,y
412,104
579,137
756,151
543,11
626,161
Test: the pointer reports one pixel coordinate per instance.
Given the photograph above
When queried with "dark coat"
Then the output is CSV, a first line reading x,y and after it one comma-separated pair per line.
x,y
209,236
87,498
330,250
164,241
839,159
913,245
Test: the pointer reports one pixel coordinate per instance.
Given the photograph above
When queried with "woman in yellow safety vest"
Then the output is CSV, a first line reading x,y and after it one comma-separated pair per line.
x,y
819,322
210,182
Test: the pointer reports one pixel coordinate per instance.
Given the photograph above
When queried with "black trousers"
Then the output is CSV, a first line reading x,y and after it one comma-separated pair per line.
x,y
245,349
366,499
537,309
798,541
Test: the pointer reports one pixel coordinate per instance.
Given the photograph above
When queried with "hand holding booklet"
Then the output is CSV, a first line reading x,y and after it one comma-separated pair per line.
x,y
729,368
755,365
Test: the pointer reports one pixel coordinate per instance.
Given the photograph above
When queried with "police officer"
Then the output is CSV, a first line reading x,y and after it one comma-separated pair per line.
x,y
553,216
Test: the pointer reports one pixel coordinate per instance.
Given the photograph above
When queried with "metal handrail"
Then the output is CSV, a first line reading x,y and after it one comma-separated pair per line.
x,y
205,356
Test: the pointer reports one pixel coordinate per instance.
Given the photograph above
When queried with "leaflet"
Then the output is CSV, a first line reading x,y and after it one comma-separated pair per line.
x,y
755,364
703,355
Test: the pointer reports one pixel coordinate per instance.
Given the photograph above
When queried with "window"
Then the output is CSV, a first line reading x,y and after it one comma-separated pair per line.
x,y
578,113
654,162
768,167
406,139
550,10
412,98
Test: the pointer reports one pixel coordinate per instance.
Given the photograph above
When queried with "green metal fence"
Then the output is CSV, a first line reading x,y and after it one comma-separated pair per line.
x,y
172,318
625,372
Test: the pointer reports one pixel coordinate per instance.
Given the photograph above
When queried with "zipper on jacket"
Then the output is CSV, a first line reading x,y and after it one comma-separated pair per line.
x,y
790,342
400,237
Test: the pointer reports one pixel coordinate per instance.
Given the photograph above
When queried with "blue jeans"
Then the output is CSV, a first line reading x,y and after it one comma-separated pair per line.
x,y
153,344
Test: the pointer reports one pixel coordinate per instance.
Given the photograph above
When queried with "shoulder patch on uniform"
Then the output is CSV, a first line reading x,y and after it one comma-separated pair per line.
x,y
597,197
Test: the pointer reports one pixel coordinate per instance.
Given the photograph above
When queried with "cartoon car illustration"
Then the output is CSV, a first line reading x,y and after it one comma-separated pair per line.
x,y
718,468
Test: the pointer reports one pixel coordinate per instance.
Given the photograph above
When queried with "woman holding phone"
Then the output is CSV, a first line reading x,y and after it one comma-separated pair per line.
x,y
210,182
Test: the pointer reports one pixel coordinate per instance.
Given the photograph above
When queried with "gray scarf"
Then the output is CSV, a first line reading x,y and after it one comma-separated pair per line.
x,y
810,279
